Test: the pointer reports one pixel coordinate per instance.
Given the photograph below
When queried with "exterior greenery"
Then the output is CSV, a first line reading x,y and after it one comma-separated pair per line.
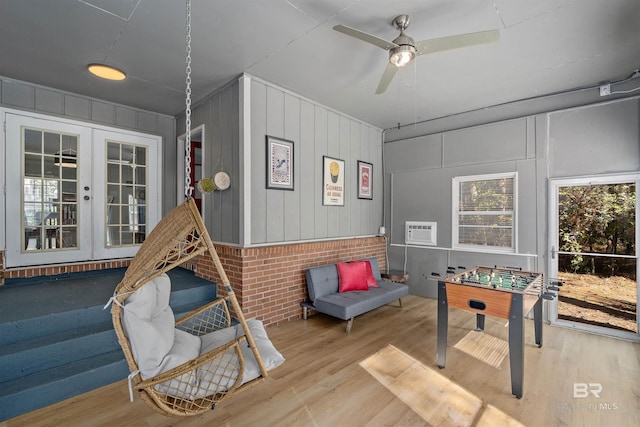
x,y
598,219
485,211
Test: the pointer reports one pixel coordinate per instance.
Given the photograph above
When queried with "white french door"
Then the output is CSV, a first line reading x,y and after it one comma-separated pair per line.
x,y
76,192
126,192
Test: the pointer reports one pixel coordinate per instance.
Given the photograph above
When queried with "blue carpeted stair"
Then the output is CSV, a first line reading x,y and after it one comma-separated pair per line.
x,y
56,341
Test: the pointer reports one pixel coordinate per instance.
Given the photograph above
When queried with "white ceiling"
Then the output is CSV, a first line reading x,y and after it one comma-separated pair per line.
x,y
545,46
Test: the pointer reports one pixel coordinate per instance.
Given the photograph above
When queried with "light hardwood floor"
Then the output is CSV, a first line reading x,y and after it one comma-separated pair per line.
x,y
384,373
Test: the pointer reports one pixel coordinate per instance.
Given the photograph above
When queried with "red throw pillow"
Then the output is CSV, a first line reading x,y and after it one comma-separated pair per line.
x,y
371,281
352,277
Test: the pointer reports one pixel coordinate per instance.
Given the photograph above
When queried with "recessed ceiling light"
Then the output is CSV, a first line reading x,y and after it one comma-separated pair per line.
x,y
106,72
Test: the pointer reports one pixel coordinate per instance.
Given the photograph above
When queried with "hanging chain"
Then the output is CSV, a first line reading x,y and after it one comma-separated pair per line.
x,y
188,189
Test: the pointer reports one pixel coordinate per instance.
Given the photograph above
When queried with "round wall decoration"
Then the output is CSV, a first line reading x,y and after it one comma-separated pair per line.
x,y
222,180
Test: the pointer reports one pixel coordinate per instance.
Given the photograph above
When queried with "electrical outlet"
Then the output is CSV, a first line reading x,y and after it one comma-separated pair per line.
x,y
605,89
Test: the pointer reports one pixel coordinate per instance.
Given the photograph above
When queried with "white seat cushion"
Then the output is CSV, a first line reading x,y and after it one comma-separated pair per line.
x,y
158,346
271,357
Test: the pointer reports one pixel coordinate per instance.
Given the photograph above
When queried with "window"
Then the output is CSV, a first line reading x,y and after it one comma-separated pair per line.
x,y
126,199
49,188
484,212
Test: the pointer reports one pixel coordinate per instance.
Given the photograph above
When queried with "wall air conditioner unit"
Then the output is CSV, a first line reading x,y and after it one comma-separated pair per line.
x,y
421,233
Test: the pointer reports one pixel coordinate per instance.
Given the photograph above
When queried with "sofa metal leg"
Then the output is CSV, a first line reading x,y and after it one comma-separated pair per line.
x,y
400,302
304,313
349,325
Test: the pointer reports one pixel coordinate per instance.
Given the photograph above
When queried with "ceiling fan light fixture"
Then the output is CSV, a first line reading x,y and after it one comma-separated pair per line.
x,y
403,49
106,72
402,55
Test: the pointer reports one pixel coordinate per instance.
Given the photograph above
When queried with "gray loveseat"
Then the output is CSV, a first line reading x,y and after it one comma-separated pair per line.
x,y
324,295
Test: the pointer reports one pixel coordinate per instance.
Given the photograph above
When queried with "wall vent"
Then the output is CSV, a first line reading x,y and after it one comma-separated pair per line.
x,y
421,233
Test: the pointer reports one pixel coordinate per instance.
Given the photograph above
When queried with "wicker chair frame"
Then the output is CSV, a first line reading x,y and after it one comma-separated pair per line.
x,y
179,237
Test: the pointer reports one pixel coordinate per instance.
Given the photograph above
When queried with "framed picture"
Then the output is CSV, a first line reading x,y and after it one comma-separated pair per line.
x,y
279,163
332,181
365,178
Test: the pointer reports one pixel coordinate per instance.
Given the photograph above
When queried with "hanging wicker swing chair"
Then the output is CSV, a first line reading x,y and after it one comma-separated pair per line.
x,y
185,367
228,359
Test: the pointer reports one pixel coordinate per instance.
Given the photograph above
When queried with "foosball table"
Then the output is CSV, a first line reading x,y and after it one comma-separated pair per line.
x,y
501,292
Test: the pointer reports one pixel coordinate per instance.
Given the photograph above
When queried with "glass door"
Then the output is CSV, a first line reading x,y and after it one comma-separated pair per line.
x,y
76,193
47,165
594,251
126,190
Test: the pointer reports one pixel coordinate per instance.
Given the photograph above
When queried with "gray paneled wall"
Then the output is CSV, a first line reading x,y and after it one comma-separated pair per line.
x,y
278,216
423,193
287,216
31,97
591,140
219,114
275,215
598,139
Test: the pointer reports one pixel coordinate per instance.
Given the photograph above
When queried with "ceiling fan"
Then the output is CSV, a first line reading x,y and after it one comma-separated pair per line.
x,y
403,50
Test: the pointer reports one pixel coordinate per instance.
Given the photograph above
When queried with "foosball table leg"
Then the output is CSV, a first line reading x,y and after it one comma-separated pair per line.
x,y
443,323
479,322
537,321
516,345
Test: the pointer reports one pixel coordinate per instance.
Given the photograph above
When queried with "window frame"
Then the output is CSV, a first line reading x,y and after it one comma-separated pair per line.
x,y
455,209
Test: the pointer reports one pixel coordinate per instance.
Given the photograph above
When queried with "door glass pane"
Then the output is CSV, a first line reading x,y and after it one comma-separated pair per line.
x,y
51,167
50,187
598,291
597,258
32,141
126,194
32,165
141,156
52,143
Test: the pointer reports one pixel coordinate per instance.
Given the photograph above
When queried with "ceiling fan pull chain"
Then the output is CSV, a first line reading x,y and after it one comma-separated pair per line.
x,y
188,188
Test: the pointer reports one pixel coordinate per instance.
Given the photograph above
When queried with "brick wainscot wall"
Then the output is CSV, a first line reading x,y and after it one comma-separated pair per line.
x,y
269,281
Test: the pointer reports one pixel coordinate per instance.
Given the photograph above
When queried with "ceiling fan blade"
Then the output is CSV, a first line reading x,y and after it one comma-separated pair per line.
x,y
369,38
386,78
455,42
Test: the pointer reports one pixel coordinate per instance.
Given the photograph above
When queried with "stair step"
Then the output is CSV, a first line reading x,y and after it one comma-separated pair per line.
x,y
35,391
27,329
49,353
41,353
51,324
180,298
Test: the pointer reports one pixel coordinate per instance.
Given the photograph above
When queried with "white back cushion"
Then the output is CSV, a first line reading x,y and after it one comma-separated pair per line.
x,y
150,326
